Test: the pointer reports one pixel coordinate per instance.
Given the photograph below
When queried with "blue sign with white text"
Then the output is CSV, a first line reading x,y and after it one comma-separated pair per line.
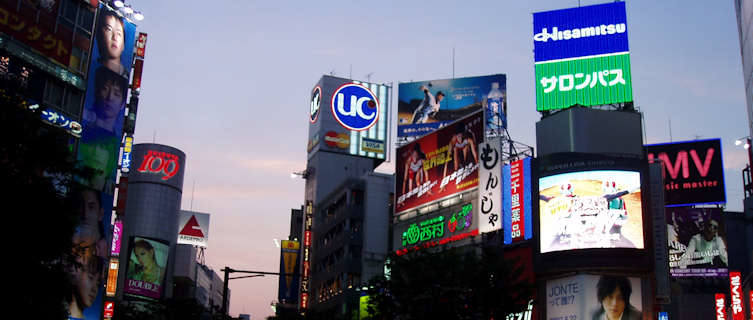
x,y
355,107
580,32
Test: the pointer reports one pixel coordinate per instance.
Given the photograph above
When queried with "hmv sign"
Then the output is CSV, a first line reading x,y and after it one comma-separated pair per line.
x,y
158,163
693,171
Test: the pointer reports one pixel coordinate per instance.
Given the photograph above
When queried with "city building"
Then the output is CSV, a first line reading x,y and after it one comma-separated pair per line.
x,y
195,280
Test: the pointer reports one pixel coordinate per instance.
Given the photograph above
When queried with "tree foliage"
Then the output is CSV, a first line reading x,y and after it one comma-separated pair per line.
x,y
460,283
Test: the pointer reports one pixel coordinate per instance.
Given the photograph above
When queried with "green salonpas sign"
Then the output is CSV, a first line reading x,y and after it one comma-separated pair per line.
x,y
586,81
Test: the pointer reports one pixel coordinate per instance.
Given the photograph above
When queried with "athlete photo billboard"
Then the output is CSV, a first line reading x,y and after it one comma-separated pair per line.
x,y
590,209
697,242
425,106
439,164
147,265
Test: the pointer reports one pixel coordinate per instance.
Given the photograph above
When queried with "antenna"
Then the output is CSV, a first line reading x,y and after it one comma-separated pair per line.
x,y
192,192
670,129
350,76
368,76
154,137
332,73
453,62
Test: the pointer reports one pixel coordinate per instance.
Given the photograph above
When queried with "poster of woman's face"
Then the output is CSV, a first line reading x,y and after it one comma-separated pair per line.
x,y
147,263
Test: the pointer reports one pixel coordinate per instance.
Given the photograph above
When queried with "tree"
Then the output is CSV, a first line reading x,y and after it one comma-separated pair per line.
x,y
458,283
36,177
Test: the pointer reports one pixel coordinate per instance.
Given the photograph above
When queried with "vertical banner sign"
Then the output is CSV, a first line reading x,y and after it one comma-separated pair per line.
x,y
141,45
117,234
112,277
720,307
109,310
736,295
308,220
516,194
490,188
582,56
125,161
99,149
287,293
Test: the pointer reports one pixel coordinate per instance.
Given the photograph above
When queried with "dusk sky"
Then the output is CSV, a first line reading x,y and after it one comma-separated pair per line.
x,y
228,82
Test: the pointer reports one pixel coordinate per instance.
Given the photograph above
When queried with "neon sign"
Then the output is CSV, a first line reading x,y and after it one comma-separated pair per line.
x,y
430,232
160,163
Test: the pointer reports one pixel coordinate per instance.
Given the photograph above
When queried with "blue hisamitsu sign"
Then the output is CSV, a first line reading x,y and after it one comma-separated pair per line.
x,y
580,32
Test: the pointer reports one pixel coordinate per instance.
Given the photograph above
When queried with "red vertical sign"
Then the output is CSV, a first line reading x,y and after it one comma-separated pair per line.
x,y
517,206
736,295
141,45
720,306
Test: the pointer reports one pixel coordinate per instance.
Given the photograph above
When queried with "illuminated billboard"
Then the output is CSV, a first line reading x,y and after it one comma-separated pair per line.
x,y
697,242
693,171
349,117
38,30
157,163
193,228
582,57
147,265
425,106
490,199
112,277
439,165
720,306
736,295
289,272
590,209
436,230
517,210
117,235
587,296
308,222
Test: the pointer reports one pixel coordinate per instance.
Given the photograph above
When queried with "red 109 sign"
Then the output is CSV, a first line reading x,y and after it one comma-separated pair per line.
x,y
157,162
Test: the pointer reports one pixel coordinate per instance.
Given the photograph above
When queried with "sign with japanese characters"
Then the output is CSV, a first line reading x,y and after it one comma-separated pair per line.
x,y
425,106
436,230
490,186
516,196
440,164
289,274
586,296
736,295
580,32
308,221
59,120
38,31
193,228
693,171
587,82
697,241
112,277
720,306
125,160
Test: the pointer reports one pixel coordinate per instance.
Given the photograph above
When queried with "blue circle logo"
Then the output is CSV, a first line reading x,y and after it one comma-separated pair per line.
x,y
355,107
316,98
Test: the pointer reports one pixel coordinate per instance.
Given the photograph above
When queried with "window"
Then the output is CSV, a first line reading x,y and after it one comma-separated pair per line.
x,y
53,94
72,102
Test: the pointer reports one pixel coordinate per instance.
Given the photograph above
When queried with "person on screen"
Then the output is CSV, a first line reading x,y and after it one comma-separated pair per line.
x,y
428,107
147,269
460,144
111,41
613,295
415,172
706,249
109,101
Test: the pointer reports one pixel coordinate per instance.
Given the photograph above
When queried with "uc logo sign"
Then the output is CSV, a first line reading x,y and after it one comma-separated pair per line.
x,y
316,98
355,107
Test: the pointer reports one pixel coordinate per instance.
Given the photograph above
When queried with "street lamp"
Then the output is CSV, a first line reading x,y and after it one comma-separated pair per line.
x,y
742,140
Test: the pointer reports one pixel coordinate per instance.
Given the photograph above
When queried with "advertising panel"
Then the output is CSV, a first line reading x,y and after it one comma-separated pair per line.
x,y
425,106
587,82
439,164
697,242
436,230
117,234
158,163
516,196
720,306
193,228
349,117
591,209
289,270
147,263
579,32
125,160
694,171
308,221
141,45
109,310
490,190
38,30
112,277
594,297
582,57
736,295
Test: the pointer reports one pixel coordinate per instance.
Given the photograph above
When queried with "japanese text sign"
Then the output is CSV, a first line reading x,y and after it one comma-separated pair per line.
x,y
516,194
490,186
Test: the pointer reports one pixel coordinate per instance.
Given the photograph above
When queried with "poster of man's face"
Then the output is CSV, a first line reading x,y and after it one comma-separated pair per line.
x,y
697,242
594,297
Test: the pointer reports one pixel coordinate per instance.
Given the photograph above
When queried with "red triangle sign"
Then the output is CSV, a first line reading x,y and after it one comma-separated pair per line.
x,y
192,228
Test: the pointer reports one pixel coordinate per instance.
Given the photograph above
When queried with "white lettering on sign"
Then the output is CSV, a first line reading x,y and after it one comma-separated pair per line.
x,y
577,33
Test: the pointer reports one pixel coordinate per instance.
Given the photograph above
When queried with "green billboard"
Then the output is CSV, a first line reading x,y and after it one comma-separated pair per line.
x,y
588,81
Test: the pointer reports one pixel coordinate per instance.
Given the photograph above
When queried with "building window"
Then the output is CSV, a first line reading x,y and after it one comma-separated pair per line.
x,y
53,94
73,102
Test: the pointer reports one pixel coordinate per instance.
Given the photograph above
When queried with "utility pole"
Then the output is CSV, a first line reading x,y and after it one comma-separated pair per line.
x,y
229,270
